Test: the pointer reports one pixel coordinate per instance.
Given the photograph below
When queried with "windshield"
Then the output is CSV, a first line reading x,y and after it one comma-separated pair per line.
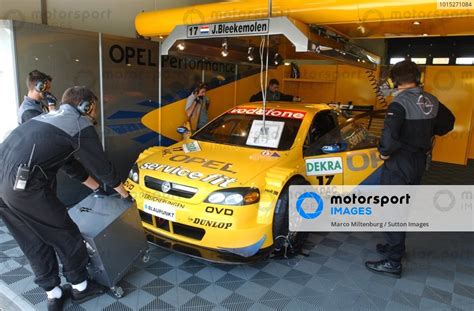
x,y
244,127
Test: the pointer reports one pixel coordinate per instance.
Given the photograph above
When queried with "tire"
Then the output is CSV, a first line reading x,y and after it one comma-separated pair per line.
x,y
281,221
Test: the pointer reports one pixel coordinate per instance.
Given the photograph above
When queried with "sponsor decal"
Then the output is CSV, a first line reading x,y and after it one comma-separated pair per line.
x,y
273,192
324,166
213,179
148,197
127,185
191,147
219,211
170,150
215,165
278,113
161,210
361,161
270,154
229,29
211,223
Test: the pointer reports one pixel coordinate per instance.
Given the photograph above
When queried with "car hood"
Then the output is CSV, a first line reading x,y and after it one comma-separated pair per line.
x,y
210,165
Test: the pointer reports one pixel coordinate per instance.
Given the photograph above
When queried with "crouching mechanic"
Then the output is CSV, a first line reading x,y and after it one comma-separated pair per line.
x,y
412,120
35,217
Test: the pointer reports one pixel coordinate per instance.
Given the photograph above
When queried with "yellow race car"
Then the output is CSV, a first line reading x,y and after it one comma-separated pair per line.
x,y
222,194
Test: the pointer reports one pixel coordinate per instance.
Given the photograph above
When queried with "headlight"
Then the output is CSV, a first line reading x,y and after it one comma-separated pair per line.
x,y
234,196
134,175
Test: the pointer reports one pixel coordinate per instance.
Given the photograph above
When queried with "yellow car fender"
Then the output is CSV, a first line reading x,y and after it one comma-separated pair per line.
x,y
275,180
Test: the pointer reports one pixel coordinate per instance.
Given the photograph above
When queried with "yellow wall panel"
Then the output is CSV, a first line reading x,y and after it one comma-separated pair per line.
x,y
353,85
453,86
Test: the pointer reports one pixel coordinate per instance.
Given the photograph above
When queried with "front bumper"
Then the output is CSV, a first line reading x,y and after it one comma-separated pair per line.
x,y
207,254
205,227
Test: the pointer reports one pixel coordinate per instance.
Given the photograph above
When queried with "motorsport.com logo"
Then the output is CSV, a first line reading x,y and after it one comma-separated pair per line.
x,y
353,199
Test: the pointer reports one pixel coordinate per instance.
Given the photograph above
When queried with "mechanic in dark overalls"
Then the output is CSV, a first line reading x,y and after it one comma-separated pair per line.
x,y
33,214
412,120
38,100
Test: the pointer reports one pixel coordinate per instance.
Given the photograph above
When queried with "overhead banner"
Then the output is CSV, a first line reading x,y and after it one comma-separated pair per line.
x,y
381,208
229,29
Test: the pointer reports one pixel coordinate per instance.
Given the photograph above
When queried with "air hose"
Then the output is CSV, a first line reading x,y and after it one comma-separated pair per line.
x,y
376,87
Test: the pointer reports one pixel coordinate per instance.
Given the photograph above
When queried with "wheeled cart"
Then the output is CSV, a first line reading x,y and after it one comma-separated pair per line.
x,y
114,237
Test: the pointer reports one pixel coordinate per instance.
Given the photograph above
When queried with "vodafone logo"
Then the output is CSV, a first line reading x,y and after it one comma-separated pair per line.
x,y
279,113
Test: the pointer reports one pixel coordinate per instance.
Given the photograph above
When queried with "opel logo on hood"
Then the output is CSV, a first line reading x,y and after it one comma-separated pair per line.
x,y
165,187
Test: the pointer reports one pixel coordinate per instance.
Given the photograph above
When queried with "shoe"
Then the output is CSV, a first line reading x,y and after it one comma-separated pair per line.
x,y
382,248
57,304
384,267
92,290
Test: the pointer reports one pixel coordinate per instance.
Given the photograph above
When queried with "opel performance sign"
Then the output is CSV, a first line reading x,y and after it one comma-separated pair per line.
x,y
229,29
381,208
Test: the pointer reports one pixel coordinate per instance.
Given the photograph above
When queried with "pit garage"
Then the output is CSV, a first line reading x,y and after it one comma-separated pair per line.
x,y
222,206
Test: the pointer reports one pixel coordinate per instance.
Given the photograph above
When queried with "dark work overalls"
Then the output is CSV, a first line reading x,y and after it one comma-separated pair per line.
x,y
411,121
38,221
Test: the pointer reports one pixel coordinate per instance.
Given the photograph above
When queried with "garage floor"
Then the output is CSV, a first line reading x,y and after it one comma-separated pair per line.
x,y
438,275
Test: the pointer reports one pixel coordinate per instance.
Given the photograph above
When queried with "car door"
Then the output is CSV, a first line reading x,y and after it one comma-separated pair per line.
x,y
341,151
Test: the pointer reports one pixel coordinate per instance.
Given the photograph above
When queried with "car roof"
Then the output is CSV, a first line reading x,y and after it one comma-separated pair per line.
x,y
310,108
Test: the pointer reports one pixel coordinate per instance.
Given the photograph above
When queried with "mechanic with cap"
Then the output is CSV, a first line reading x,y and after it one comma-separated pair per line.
x,y
31,156
412,120
38,84
273,94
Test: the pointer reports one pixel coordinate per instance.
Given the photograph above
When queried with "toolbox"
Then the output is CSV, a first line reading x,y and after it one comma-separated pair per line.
x,y
114,237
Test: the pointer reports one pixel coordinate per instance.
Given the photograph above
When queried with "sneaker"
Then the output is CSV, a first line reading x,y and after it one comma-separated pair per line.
x,y
384,267
57,304
92,291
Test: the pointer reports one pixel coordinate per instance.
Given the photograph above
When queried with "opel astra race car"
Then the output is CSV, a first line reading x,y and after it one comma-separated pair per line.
x,y
222,194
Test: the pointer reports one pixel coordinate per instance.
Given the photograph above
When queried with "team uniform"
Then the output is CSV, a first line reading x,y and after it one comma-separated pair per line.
x,y
412,120
38,221
30,108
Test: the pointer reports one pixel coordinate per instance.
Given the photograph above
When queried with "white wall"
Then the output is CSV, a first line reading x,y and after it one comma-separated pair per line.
x,y
108,16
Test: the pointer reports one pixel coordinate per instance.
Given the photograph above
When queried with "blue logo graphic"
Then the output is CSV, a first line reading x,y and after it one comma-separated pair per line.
x,y
316,198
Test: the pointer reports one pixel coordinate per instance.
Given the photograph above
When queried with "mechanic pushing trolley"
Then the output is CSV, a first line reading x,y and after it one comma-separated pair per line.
x,y
31,157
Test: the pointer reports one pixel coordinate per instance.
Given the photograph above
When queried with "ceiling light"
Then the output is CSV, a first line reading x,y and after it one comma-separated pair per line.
x,y
416,23
224,51
276,59
250,55
325,48
425,35
181,46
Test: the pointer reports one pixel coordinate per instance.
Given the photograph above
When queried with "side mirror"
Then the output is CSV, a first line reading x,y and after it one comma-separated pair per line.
x,y
334,148
182,130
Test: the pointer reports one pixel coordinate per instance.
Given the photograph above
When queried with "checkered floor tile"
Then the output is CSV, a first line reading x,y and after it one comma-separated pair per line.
x,y
438,274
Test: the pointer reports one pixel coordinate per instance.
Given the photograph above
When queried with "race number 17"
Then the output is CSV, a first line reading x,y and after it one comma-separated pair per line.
x,y
192,31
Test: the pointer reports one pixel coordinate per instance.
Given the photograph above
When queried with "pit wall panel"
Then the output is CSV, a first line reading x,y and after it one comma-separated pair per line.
x,y
453,85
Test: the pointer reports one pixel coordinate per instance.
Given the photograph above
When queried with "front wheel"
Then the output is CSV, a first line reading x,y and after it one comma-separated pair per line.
x,y
284,240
